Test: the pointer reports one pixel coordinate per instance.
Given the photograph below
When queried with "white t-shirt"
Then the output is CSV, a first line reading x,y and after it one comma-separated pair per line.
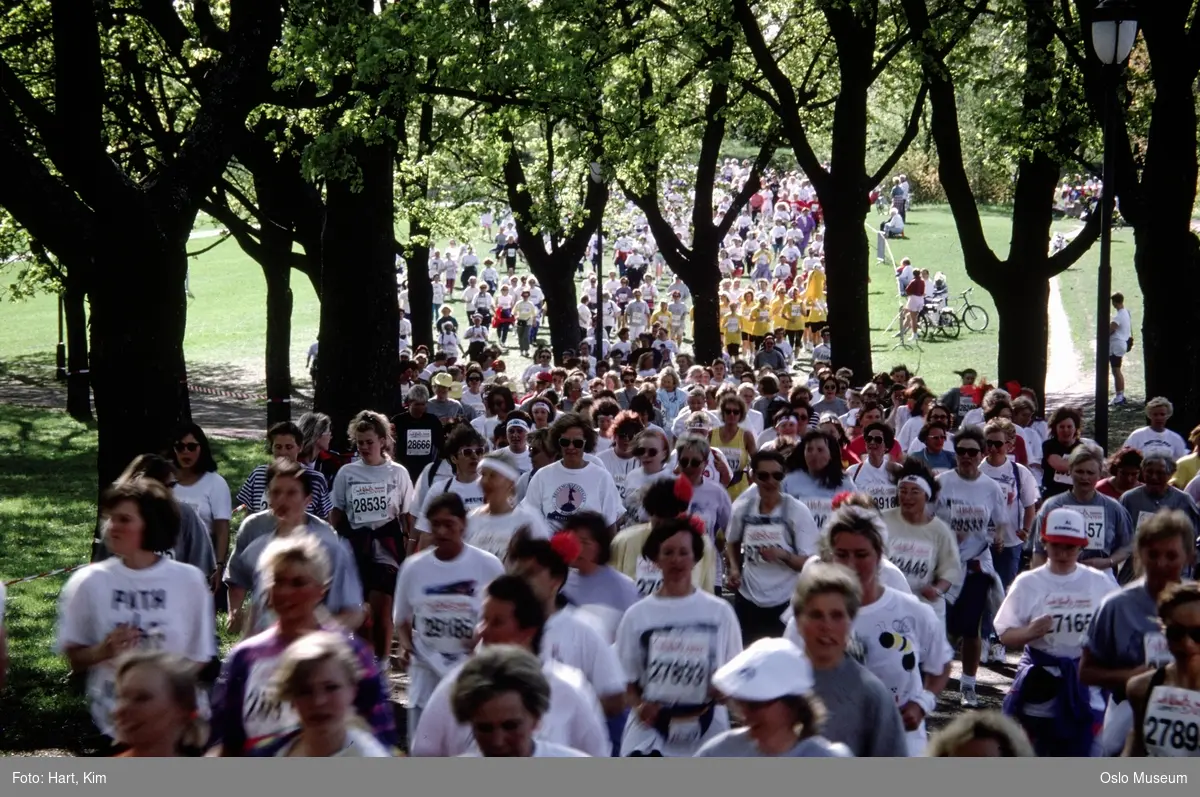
x,y
875,482
1003,475
1149,441
570,639
442,600
970,509
618,468
209,496
371,496
543,750
557,492
670,648
789,526
169,602
470,492
492,533
1070,600
574,718
898,638
1122,334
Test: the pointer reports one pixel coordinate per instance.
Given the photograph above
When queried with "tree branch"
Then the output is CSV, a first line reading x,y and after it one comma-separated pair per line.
x,y
910,134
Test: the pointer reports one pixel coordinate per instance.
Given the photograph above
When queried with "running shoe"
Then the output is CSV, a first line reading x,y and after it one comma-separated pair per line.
x,y
999,653
969,698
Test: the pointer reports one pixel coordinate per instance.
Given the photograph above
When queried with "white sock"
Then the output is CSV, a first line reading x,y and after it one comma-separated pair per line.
x,y
967,681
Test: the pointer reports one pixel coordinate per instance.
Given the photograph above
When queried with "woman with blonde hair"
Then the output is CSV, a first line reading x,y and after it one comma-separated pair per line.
x,y
372,498
736,443
295,573
980,734
156,712
317,674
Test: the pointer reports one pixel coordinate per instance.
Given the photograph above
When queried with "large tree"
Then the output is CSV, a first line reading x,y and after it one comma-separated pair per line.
x,y
1044,119
120,212
1155,185
682,94
866,37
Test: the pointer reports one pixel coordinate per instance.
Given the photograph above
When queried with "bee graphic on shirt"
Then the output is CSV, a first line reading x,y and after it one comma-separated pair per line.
x,y
902,645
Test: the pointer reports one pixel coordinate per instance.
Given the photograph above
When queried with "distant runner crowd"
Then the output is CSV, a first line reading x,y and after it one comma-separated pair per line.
x,y
624,552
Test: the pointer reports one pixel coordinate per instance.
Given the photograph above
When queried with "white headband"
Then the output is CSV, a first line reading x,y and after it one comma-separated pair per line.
x,y
517,423
917,480
493,464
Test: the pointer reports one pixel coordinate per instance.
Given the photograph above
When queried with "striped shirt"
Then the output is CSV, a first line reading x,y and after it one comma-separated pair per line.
x,y
254,492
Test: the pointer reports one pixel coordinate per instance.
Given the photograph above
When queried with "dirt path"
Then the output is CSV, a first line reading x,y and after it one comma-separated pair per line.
x,y
1066,379
224,418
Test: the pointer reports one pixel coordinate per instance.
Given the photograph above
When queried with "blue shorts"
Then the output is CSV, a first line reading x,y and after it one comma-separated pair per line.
x,y
964,617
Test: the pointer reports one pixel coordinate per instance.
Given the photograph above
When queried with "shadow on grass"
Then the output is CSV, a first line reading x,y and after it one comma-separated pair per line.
x,y
47,521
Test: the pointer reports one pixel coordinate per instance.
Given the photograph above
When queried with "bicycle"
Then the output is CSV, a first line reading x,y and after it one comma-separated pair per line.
x,y
972,316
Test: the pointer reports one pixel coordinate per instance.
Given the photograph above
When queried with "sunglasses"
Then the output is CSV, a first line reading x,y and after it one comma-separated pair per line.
x,y
474,379
189,447
645,452
690,463
763,475
967,452
996,443
567,442
876,439
472,452
627,435
1176,633
935,438
732,410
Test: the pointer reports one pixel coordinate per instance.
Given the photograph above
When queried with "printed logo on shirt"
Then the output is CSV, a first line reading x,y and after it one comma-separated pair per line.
x,y
569,498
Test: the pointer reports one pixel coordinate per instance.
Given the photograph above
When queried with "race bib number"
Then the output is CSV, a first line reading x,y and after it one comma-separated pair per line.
x,y
684,733
915,558
764,317
648,576
821,509
677,667
1094,521
1071,616
796,312
967,520
637,318
884,496
1062,478
368,503
733,325
1172,726
758,538
1154,648
447,623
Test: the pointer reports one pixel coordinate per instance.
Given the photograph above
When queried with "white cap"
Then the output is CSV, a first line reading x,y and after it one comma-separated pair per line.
x,y
767,670
1065,526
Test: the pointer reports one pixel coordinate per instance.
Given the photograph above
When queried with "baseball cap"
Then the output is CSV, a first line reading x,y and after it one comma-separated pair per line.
x,y
1066,527
767,670
544,376
442,380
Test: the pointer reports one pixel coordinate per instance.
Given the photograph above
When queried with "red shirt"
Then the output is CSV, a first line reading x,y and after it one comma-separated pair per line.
x,y
858,447
916,287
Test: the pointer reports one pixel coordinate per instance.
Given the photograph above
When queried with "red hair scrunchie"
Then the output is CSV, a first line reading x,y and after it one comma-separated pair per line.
x,y
684,489
566,545
697,524
841,498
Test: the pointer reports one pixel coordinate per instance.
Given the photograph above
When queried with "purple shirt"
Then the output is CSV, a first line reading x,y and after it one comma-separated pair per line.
x,y
244,714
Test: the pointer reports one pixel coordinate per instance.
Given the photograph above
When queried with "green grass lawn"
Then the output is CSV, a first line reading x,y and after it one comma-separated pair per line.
x,y
933,244
47,517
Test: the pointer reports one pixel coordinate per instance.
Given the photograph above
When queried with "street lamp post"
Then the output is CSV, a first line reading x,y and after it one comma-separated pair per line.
x,y
1114,28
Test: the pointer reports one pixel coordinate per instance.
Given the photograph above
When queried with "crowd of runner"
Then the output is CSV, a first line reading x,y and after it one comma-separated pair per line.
x,y
622,551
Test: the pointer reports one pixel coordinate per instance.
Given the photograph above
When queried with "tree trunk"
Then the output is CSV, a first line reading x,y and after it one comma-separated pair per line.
x,y
1167,258
846,274
137,365
1024,330
79,384
556,274
359,311
703,279
279,336
420,287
